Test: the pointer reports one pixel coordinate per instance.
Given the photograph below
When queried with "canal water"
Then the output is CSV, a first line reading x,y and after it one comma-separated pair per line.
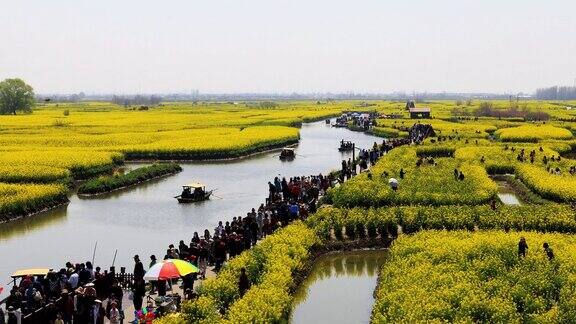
x,y
339,289
144,220
507,194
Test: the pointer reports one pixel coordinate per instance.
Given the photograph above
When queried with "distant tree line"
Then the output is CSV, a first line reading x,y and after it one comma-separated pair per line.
x,y
487,109
75,97
137,100
556,93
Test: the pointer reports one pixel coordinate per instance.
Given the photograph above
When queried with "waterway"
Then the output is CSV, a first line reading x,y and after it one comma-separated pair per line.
x,y
145,219
507,194
339,289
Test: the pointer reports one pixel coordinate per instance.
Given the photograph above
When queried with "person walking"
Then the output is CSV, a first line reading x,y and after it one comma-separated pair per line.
x,y
548,251
522,247
243,282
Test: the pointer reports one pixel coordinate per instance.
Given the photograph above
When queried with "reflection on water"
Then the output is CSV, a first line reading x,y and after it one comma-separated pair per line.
x,y
507,194
30,224
145,219
509,199
339,289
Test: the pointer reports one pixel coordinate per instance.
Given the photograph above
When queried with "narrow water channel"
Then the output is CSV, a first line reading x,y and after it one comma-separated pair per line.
x,y
507,194
145,219
339,289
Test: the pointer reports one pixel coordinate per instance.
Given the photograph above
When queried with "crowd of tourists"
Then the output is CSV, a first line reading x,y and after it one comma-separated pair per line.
x,y
76,293
82,293
288,200
523,157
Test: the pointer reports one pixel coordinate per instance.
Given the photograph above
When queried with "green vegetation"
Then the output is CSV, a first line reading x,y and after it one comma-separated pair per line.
x,y
117,181
15,95
350,224
23,199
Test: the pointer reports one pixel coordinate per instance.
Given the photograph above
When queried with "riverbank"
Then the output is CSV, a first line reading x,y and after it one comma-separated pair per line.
x,y
103,185
98,187
61,201
264,150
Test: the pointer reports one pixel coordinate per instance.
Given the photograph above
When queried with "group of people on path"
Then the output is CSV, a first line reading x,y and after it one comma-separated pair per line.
x,y
76,293
288,200
521,157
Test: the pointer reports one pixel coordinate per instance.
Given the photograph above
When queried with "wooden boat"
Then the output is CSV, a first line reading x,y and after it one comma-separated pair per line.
x,y
35,272
346,146
194,192
287,153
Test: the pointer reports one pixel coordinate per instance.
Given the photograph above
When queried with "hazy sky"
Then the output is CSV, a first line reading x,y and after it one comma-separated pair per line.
x,y
129,46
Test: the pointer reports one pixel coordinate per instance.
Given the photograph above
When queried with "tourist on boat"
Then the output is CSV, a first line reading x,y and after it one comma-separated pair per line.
x,y
198,193
522,247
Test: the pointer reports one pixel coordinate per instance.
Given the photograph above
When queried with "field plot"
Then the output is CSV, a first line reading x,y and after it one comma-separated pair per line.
x,y
477,277
428,184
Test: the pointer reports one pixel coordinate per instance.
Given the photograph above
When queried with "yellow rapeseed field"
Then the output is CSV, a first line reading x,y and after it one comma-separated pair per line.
x,y
90,138
533,133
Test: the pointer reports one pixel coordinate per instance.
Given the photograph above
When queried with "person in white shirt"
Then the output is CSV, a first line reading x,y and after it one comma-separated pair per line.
x,y
73,280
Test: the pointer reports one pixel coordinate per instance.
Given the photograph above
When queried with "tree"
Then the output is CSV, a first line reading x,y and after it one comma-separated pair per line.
x,y
15,95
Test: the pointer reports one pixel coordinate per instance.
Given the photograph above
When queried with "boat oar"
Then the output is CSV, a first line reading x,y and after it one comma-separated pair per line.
x,y
216,195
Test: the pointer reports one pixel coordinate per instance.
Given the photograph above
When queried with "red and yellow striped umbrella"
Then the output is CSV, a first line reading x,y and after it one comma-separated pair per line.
x,y
170,269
